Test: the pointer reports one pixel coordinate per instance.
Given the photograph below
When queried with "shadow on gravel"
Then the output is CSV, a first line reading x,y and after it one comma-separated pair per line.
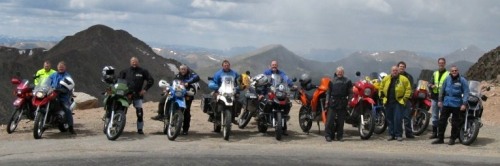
x,y
130,136
480,142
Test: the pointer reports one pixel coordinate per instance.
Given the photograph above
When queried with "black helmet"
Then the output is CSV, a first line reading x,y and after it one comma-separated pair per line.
x,y
108,74
305,79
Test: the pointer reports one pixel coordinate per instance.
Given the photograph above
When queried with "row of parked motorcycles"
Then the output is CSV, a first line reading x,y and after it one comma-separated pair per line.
x,y
365,110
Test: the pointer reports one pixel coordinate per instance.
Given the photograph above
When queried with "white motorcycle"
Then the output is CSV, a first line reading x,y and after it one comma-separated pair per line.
x,y
221,110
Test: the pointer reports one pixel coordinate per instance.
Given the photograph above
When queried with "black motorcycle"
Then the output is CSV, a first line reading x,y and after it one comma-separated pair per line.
x,y
472,123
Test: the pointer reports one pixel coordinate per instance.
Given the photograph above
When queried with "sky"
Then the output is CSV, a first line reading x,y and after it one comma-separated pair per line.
x,y
437,26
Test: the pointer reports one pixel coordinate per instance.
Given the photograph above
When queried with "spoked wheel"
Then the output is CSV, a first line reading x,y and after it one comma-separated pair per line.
x,y
366,124
38,128
175,125
244,119
116,125
279,125
305,119
420,121
380,122
469,135
14,120
226,119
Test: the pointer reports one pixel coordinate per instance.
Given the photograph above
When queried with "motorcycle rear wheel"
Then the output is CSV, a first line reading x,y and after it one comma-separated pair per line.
x,y
366,130
119,120
244,119
380,122
420,121
175,125
38,128
14,120
304,121
468,136
279,125
226,117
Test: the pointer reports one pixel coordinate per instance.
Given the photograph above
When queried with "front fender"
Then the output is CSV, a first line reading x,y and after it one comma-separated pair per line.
x,y
123,102
369,100
180,102
19,102
428,103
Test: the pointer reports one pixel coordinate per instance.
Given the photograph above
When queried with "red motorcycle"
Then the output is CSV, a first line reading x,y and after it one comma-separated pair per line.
x,y
22,104
361,112
48,110
421,103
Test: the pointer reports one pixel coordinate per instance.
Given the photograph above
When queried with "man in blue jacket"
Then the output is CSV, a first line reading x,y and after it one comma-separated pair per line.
x,y
61,80
452,99
217,82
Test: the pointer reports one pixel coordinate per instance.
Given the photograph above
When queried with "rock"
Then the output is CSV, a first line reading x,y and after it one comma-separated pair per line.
x,y
85,101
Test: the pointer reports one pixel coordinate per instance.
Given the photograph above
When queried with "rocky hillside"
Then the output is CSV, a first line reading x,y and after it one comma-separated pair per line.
x,y
85,54
487,67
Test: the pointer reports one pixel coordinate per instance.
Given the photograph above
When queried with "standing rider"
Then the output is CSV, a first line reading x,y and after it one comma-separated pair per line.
x,y
435,84
339,91
274,70
43,73
453,100
190,80
62,81
135,77
407,109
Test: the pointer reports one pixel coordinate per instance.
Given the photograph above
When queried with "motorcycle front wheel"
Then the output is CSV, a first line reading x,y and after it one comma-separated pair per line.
x,y
305,121
38,128
14,120
366,124
175,125
279,125
380,122
244,119
226,120
419,121
114,130
468,136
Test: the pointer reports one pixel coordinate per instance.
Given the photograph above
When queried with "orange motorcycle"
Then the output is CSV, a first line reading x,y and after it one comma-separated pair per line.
x,y
312,104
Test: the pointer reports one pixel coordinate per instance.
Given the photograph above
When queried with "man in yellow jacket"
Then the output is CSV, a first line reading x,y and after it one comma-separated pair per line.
x,y
43,73
395,92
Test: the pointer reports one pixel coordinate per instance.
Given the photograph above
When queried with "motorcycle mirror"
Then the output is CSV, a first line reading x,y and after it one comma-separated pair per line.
x,y
488,88
210,78
358,73
294,79
18,74
484,97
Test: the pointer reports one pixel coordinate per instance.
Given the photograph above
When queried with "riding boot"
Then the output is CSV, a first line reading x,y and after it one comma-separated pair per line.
x,y
71,130
434,133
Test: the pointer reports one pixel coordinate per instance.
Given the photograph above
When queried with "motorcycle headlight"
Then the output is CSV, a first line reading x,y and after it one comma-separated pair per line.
x,y
367,92
19,91
279,94
178,93
120,92
40,94
473,100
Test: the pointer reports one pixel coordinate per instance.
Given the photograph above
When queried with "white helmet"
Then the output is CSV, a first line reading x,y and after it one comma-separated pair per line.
x,y
382,75
163,84
68,83
305,79
108,74
260,79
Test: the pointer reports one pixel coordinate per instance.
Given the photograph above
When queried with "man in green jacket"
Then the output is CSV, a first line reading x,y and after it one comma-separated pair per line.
x,y
43,73
395,92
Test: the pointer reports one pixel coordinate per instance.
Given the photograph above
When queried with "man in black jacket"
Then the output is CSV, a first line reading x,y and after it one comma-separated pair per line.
x,y
407,111
135,77
338,94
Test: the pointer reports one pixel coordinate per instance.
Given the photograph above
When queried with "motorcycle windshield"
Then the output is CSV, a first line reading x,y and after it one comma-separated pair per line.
x,y
120,87
178,86
422,85
474,87
227,86
276,80
44,85
24,84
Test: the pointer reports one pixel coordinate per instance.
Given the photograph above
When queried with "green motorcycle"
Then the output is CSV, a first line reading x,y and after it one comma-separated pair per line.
x,y
116,102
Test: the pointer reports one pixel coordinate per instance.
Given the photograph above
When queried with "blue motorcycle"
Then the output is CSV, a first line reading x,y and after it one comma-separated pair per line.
x,y
175,105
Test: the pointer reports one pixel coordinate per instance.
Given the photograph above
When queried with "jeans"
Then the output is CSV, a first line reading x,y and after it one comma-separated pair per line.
x,y
65,105
394,112
407,119
138,110
435,113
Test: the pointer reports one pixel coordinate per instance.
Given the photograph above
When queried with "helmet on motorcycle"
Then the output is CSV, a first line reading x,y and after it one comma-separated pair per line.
x,y
212,85
305,79
163,84
108,74
260,79
68,83
382,75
